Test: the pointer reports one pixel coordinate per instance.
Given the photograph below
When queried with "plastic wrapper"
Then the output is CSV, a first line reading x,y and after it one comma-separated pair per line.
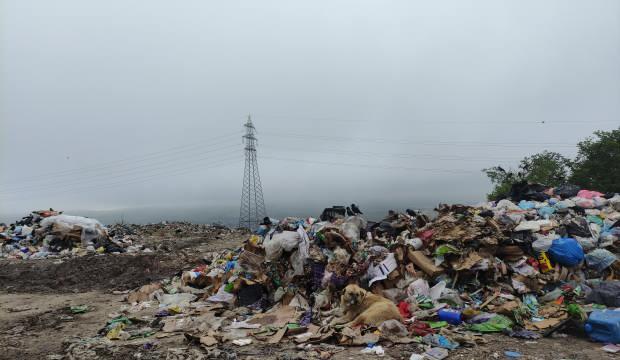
x,y
600,259
541,245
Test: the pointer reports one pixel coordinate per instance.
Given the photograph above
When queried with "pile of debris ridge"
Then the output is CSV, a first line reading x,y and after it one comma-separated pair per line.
x,y
525,268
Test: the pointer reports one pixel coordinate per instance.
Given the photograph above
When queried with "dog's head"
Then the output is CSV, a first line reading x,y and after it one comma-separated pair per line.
x,y
353,295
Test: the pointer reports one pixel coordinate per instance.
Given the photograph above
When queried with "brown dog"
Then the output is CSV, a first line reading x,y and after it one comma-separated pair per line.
x,y
359,306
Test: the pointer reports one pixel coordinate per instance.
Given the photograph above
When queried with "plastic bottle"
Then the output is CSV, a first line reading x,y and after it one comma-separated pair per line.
x,y
604,326
451,316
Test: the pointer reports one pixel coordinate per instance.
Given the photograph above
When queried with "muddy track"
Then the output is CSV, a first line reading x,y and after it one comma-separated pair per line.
x,y
106,272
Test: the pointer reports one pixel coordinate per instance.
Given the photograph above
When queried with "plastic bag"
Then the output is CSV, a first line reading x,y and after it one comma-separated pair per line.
x,y
587,243
222,296
595,230
352,227
534,225
608,238
418,287
600,202
578,226
595,219
584,203
566,191
546,211
600,259
394,328
527,205
566,251
565,204
606,293
541,245
615,202
508,205
589,194
179,299
278,242
91,229
496,324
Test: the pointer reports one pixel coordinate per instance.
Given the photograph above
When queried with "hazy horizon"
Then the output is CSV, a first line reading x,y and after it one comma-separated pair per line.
x,y
115,105
206,215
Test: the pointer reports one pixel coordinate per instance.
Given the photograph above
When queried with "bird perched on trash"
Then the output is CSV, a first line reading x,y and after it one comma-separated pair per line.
x,y
350,212
410,212
356,210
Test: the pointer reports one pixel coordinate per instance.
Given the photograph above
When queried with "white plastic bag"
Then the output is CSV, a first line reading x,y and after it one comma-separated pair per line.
x,y
534,225
276,243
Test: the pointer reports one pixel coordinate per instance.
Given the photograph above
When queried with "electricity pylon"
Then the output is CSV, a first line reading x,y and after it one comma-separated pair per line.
x,y
252,202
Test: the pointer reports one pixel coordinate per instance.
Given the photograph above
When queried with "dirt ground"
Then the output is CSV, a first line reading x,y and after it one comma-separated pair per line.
x,y
36,321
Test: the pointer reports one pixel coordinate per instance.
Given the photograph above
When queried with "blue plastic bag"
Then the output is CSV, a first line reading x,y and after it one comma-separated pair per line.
x,y
546,211
566,251
527,205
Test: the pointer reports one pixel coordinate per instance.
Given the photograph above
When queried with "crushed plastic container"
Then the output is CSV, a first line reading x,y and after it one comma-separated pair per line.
x,y
604,326
450,315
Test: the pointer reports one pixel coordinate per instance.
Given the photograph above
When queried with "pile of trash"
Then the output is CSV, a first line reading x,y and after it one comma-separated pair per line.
x,y
180,228
169,236
525,268
49,233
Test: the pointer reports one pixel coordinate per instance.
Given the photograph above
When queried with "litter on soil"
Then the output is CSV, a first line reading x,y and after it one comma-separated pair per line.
x,y
522,269
51,234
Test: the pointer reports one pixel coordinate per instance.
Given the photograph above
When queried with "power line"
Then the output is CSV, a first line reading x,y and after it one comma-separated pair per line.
x,y
158,175
143,157
168,167
452,171
405,141
400,155
92,190
116,172
460,121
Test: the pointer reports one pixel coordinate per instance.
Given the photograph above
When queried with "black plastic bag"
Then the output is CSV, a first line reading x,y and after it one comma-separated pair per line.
x,y
607,293
567,191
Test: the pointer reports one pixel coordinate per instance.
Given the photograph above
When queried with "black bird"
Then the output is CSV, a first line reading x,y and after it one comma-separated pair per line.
x,y
356,210
410,212
349,212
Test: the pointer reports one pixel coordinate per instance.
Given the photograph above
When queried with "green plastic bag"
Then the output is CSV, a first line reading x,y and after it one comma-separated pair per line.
x,y
118,320
79,309
595,219
446,249
577,312
496,324
437,324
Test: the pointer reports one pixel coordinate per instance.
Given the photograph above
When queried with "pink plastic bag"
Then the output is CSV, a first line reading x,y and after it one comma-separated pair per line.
x,y
588,194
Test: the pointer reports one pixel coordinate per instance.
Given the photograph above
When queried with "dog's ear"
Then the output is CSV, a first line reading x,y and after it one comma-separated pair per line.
x,y
361,294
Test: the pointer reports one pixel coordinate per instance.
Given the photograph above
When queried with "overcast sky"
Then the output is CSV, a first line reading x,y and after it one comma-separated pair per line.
x,y
123,105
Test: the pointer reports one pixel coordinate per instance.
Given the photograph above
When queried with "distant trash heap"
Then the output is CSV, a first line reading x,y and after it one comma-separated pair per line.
x,y
49,233
525,267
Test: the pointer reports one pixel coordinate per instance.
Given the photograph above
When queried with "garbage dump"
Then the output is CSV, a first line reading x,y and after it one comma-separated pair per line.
x,y
49,233
524,269
143,238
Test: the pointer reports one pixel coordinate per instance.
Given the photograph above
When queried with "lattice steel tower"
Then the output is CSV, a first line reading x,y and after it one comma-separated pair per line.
x,y
252,203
